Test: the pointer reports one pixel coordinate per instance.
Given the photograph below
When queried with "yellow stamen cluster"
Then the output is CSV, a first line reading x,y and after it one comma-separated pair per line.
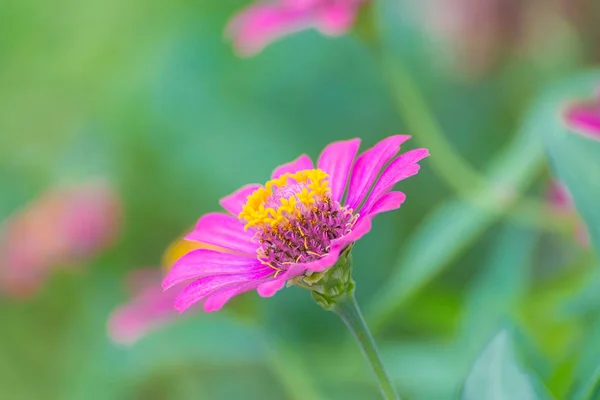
x,y
315,186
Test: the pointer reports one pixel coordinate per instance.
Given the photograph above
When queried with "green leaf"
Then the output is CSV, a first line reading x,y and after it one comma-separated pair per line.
x,y
497,375
455,225
576,159
499,286
591,388
587,373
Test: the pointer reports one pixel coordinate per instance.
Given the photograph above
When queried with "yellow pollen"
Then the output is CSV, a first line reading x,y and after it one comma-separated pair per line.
x,y
313,185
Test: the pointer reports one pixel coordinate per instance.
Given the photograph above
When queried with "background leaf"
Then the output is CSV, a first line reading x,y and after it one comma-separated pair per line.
x,y
497,375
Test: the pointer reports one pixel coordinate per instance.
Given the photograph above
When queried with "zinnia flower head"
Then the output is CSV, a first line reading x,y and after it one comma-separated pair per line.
x,y
297,224
584,117
265,22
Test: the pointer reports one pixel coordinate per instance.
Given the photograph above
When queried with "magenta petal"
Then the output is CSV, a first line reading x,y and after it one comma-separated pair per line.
x,y
217,300
206,262
299,164
367,167
259,25
337,18
585,118
336,159
388,202
235,201
274,285
149,309
203,287
224,231
325,262
401,168
269,288
361,228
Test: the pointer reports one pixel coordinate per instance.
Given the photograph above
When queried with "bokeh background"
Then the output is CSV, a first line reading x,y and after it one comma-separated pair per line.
x,y
122,122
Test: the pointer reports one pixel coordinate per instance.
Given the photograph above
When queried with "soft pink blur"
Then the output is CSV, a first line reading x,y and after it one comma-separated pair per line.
x,y
561,202
262,23
63,227
148,309
584,117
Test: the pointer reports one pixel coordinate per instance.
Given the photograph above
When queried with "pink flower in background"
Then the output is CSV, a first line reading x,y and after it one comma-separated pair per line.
x,y
295,225
63,227
584,117
560,201
479,32
149,307
265,22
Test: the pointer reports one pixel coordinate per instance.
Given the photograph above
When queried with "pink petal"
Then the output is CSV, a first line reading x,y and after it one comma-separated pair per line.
x,y
388,202
367,167
203,287
401,168
150,309
585,118
337,18
206,262
217,300
336,159
225,231
558,197
325,262
272,286
259,25
299,164
269,288
235,201
361,228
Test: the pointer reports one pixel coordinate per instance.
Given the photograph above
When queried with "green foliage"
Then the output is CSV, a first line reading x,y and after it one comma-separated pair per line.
x,y
150,96
497,375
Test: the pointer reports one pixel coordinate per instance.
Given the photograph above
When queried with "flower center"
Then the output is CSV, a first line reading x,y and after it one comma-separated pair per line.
x,y
295,219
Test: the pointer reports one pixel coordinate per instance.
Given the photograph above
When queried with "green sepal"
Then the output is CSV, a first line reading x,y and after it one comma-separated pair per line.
x,y
327,287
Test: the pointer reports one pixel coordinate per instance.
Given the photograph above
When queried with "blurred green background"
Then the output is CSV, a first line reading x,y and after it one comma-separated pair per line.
x,y
150,96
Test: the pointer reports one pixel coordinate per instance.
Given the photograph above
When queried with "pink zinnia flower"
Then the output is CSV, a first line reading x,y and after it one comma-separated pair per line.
x,y
63,227
149,307
265,22
584,117
295,225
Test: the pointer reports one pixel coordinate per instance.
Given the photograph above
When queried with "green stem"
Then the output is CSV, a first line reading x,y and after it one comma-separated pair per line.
x,y
347,308
451,167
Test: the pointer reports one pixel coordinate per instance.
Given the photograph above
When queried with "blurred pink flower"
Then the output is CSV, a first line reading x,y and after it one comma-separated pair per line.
x,y
561,202
296,224
149,307
63,227
265,22
479,31
584,117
